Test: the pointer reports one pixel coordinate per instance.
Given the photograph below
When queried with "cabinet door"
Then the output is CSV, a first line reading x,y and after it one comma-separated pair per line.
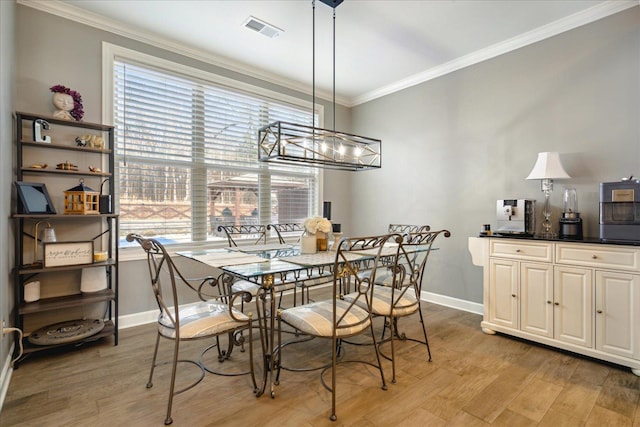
x,y
536,295
503,292
617,329
573,305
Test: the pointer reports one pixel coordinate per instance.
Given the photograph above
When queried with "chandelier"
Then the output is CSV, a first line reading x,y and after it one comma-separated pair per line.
x,y
291,143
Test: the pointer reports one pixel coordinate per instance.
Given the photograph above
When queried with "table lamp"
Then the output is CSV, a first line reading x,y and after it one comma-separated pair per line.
x,y
547,168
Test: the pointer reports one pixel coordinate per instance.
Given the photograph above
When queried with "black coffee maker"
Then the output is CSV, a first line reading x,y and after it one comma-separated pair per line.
x,y
570,222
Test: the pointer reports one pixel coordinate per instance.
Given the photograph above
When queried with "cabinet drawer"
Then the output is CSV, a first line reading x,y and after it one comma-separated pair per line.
x,y
619,258
525,249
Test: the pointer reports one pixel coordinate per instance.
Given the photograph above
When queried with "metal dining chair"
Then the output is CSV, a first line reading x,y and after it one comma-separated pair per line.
x,y
398,289
407,228
179,320
337,319
253,233
291,231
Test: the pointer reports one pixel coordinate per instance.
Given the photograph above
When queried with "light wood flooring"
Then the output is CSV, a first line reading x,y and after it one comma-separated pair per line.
x,y
473,380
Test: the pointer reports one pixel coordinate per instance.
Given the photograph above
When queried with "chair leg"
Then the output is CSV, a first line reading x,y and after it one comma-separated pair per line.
x,y
168,420
251,366
393,329
424,331
377,350
153,362
334,362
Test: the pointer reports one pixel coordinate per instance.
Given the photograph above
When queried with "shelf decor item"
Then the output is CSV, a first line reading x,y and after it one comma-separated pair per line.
x,y
47,235
81,200
66,332
38,125
68,103
58,254
33,198
93,280
32,291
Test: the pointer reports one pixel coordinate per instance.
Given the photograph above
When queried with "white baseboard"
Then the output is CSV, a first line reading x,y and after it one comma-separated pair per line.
x,y
459,304
5,377
137,319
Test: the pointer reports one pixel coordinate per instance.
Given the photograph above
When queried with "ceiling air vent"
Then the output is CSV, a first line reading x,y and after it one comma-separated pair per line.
x,y
262,27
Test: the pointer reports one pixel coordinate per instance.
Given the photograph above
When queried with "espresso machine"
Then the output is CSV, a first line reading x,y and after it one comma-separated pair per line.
x,y
570,221
515,217
620,211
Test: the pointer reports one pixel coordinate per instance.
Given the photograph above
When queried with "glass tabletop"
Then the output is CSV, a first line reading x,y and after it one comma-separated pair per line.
x,y
275,260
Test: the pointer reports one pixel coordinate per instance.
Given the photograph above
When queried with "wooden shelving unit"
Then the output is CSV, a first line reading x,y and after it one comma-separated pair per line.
x,y
105,240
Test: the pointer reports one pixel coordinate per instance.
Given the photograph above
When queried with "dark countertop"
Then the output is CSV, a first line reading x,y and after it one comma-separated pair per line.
x,y
595,240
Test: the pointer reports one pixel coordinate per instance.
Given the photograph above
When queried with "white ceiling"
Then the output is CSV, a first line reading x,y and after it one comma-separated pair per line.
x,y
381,45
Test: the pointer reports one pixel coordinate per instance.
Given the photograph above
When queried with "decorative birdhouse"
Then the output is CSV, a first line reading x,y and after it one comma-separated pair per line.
x,y
81,200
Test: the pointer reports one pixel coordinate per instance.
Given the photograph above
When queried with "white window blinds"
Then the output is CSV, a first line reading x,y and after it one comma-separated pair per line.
x,y
187,157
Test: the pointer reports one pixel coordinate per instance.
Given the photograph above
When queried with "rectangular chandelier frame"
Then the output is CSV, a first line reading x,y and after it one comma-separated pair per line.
x,y
284,142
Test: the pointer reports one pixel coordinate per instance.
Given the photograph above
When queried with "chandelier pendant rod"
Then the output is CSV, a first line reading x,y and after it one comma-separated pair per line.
x,y
334,69
313,73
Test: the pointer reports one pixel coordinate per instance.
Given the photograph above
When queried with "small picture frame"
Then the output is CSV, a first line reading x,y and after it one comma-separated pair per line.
x,y
58,254
33,198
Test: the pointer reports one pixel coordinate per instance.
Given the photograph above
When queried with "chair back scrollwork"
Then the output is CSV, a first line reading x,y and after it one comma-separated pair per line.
x,y
284,230
408,228
255,233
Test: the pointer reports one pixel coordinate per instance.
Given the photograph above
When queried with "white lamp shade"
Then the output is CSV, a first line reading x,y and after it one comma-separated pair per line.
x,y
548,166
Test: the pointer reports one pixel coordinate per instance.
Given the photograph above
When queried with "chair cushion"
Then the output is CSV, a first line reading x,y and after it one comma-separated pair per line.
x,y
317,318
381,305
201,319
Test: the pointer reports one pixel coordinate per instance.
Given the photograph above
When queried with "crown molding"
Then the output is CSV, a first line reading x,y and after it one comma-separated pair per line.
x,y
602,10
91,19
584,17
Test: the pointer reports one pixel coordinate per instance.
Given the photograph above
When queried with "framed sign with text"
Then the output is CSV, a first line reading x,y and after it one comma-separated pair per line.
x,y
57,254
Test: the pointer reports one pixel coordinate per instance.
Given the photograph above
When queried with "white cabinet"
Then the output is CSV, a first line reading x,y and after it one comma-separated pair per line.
x,y
503,290
582,297
536,299
573,305
617,317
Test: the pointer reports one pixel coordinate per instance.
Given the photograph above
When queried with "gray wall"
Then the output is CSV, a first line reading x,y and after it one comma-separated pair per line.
x,y
454,145
7,61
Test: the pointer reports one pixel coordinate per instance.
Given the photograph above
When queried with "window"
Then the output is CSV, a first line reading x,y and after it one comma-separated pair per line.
x,y
187,160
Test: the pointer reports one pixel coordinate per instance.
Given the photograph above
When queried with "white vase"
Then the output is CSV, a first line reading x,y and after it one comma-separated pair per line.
x,y
308,244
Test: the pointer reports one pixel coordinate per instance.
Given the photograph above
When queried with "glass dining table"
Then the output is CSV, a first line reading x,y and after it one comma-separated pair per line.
x,y
270,267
